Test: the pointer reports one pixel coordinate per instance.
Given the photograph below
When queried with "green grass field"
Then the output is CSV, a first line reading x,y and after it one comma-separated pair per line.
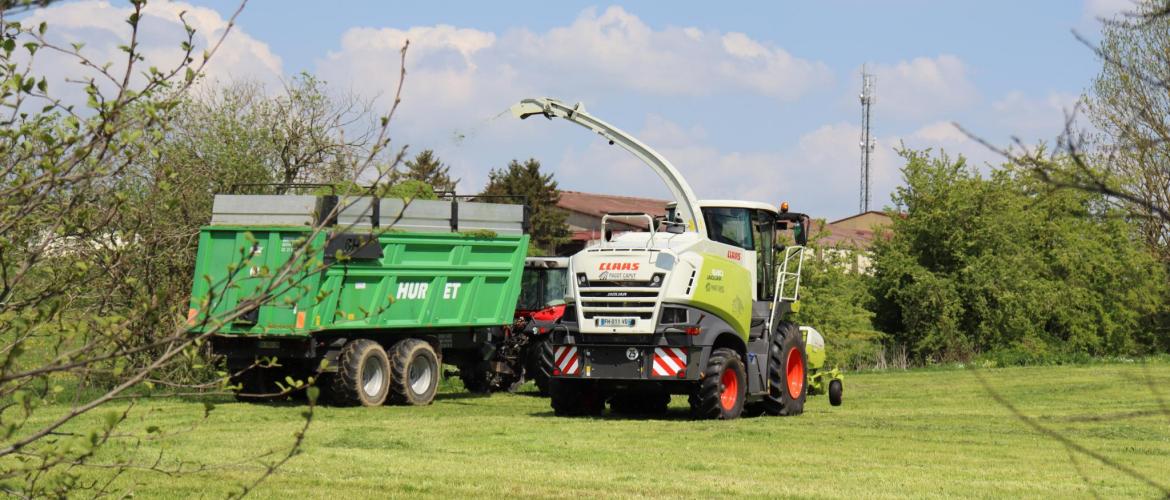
x,y
915,433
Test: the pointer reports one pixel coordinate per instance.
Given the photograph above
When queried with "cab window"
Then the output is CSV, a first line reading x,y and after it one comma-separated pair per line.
x,y
732,226
764,230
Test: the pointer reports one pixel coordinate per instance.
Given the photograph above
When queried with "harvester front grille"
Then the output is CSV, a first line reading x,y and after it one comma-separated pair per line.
x,y
609,299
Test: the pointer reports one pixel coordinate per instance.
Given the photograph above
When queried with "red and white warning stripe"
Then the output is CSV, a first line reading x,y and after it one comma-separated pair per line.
x,y
566,360
670,361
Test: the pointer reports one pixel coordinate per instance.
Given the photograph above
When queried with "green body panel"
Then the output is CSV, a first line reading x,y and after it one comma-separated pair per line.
x,y
818,380
816,356
724,288
422,281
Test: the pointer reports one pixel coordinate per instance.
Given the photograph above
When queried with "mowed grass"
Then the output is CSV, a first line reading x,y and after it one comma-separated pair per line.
x,y
915,433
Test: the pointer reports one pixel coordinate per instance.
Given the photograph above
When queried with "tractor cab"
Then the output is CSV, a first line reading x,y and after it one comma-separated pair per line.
x,y
543,288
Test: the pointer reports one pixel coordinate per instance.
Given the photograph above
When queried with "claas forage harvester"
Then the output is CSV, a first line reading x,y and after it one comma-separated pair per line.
x,y
700,304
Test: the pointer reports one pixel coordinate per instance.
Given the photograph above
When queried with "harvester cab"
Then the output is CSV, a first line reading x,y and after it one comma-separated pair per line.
x,y
698,304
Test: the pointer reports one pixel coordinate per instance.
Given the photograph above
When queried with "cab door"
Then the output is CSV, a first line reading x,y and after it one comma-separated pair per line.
x,y
764,236
730,230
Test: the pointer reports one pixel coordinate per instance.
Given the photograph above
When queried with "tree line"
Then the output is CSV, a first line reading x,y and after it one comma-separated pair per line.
x,y
1061,253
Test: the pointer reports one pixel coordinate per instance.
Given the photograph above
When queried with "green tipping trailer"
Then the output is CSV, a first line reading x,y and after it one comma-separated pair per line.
x,y
383,291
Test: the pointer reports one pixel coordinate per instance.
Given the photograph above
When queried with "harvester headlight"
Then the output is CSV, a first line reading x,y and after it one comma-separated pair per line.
x,y
656,280
582,280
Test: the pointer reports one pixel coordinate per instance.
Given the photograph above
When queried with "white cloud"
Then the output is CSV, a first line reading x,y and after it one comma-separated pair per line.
x,y
459,67
818,174
945,136
617,49
923,88
102,28
460,80
1106,9
1034,118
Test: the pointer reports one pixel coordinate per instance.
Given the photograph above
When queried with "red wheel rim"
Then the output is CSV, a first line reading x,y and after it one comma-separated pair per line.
x,y
795,370
730,389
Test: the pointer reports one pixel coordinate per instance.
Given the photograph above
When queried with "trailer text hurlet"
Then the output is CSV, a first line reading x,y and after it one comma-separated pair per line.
x,y
385,291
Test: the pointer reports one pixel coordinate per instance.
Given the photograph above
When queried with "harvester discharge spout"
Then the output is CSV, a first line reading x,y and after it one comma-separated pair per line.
x,y
688,205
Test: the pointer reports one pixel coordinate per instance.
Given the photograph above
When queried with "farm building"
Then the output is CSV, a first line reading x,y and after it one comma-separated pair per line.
x,y
853,236
586,210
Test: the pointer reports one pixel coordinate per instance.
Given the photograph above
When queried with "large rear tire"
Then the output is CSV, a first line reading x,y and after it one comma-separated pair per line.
x,y
363,375
570,398
415,369
787,372
723,389
539,368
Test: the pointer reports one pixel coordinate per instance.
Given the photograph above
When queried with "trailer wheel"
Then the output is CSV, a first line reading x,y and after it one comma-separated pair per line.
x,y
363,374
721,392
787,372
835,392
575,397
416,373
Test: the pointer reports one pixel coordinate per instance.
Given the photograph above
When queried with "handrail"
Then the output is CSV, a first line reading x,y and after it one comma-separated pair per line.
x,y
783,277
627,215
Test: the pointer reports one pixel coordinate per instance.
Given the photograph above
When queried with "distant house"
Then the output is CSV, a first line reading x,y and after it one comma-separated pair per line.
x,y
853,236
586,210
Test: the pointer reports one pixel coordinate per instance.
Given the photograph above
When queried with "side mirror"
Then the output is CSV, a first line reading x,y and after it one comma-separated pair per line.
x,y
801,231
675,228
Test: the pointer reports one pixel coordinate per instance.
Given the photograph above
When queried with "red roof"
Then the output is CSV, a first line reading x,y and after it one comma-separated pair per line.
x,y
597,205
844,237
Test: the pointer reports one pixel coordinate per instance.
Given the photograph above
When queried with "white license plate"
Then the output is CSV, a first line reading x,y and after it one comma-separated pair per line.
x,y
619,322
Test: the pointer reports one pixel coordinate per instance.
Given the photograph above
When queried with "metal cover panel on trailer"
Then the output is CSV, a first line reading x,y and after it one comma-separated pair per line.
x,y
418,215
500,219
355,210
274,210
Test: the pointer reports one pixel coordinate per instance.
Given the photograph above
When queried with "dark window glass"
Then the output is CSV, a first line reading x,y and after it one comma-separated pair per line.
x,y
732,226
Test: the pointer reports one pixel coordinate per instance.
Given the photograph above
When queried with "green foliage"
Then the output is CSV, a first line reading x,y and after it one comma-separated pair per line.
x,y
427,168
1128,104
524,182
411,189
834,299
101,204
1006,262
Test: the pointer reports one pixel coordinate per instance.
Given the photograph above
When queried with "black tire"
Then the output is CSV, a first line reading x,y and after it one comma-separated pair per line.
x,y
256,384
570,398
716,397
539,368
781,400
835,392
415,368
474,377
648,401
363,375
753,410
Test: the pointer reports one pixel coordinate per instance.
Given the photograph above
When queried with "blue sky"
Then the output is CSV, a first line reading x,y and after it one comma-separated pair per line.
x,y
750,100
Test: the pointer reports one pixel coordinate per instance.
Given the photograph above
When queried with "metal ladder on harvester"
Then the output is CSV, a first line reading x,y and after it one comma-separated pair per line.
x,y
787,280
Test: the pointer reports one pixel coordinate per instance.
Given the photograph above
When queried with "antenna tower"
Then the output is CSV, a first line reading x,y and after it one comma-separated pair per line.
x,y
867,142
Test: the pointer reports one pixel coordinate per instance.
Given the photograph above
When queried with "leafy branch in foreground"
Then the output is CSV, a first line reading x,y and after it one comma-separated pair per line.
x,y
77,332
